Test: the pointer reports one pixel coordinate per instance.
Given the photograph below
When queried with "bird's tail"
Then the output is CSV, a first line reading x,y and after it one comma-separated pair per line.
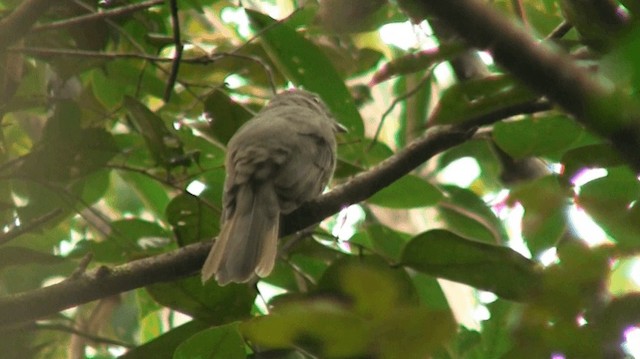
x,y
247,242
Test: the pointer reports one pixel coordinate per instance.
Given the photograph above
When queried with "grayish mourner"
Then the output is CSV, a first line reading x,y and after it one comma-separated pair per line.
x,y
281,158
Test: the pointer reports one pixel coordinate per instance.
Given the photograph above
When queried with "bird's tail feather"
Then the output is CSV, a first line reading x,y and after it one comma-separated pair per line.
x,y
247,242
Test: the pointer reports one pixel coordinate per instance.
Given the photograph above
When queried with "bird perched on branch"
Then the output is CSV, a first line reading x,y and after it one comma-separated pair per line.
x,y
275,162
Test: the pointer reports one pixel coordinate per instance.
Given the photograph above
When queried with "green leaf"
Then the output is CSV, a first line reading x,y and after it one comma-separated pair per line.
x,y
137,192
320,326
468,215
408,192
25,269
192,219
164,145
430,292
414,333
590,156
164,345
598,24
544,201
110,96
14,256
414,62
487,267
359,155
483,153
381,239
415,112
67,151
535,136
543,22
223,342
128,239
496,337
226,115
352,16
612,202
362,308
356,278
473,98
305,65
137,233
217,305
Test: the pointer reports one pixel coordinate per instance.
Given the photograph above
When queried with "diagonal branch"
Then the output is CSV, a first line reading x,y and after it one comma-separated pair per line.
x,y
365,184
609,113
103,281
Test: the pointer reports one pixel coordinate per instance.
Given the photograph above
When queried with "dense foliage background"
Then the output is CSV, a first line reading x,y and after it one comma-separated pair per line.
x,y
484,203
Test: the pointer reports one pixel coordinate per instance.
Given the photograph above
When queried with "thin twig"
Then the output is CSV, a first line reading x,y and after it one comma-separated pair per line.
x,y
82,266
132,41
519,10
119,11
260,33
165,182
44,51
175,64
259,61
396,101
29,227
94,338
560,30
200,60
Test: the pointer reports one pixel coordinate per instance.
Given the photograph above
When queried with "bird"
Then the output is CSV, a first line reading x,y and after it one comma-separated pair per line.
x,y
281,158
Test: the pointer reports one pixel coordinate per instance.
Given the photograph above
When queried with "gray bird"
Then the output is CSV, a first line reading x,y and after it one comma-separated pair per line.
x,y
275,162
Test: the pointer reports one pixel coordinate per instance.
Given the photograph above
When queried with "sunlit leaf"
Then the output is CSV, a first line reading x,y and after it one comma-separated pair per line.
x,y
545,202
319,326
612,202
407,192
590,156
357,278
534,136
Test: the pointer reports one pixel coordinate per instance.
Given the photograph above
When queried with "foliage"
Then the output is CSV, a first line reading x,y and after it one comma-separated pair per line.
x,y
112,144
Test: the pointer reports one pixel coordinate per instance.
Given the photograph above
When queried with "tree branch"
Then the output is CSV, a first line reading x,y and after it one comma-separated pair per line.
x,y
119,11
547,70
14,26
28,227
365,184
175,65
102,282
